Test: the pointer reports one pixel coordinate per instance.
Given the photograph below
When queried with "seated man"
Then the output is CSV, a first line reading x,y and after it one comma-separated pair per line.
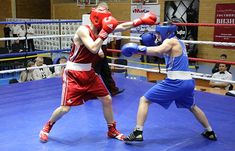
x,y
223,57
41,73
27,75
221,74
60,69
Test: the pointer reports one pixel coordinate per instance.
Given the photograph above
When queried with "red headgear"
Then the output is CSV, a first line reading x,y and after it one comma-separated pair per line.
x,y
97,15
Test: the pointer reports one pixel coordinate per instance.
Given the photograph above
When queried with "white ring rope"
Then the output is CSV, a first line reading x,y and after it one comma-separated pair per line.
x,y
185,41
30,68
194,74
35,37
123,37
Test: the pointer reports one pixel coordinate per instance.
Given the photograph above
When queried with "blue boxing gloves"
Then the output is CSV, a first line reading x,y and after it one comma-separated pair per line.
x,y
132,48
148,39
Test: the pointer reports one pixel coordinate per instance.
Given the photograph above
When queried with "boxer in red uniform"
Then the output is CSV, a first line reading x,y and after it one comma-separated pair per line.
x,y
80,83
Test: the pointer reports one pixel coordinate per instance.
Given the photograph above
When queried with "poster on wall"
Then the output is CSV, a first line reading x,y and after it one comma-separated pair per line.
x,y
183,11
225,14
136,12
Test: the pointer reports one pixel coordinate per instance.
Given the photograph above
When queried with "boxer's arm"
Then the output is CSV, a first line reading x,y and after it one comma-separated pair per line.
x,y
146,19
101,53
160,50
84,35
124,26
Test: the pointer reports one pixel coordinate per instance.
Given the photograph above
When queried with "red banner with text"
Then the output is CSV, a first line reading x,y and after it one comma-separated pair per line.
x,y
225,14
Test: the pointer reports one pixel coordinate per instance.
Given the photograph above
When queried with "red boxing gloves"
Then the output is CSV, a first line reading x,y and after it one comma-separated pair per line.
x,y
146,19
108,25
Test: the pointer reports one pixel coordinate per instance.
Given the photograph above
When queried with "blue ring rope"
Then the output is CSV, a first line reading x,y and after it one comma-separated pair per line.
x,y
32,53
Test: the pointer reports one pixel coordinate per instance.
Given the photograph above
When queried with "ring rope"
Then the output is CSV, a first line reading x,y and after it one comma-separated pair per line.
x,y
35,37
194,75
205,24
143,63
30,68
32,53
25,57
123,37
195,24
185,41
192,59
41,22
79,21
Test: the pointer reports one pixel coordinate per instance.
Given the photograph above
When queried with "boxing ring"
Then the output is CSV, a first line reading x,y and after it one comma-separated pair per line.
x,y
25,107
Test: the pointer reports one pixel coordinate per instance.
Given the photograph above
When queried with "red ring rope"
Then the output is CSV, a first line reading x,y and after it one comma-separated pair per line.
x,y
198,24
192,59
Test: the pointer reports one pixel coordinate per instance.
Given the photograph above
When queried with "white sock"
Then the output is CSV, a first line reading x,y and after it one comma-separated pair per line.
x,y
139,128
209,129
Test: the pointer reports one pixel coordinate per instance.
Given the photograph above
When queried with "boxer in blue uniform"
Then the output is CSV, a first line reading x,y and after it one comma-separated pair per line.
x,y
178,87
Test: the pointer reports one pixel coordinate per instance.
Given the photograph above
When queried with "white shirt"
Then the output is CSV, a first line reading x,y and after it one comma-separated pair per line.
x,y
30,31
225,76
22,32
58,70
118,34
42,73
15,29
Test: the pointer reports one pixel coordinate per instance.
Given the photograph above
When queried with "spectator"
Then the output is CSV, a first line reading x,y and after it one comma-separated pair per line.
x,y
7,31
60,69
30,32
216,67
15,46
192,48
28,75
15,30
41,73
22,33
221,74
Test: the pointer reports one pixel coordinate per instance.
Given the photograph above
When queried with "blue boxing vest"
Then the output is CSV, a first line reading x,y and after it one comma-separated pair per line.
x,y
179,63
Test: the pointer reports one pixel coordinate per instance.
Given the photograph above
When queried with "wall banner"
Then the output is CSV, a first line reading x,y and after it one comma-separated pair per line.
x,y
225,14
183,11
138,10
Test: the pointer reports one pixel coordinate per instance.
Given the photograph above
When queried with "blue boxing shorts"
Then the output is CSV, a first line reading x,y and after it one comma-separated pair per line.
x,y
168,90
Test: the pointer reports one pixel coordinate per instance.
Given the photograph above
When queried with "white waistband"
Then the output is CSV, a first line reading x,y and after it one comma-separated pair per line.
x,y
78,66
181,75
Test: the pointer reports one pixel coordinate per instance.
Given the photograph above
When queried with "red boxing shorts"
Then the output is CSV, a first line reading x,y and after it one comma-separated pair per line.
x,y
80,86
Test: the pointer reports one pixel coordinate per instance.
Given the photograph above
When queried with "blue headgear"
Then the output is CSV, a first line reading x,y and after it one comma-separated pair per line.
x,y
166,31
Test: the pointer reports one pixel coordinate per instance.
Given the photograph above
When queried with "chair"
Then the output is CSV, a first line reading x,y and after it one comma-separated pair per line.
x,y
56,60
120,69
230,87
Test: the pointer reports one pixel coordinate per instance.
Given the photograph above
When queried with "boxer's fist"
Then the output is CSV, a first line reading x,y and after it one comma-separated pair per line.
x,y
108,25
132,48
148,39
146,19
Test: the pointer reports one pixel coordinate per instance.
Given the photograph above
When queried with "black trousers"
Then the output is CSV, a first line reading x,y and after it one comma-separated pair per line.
x,y
30,45
102,68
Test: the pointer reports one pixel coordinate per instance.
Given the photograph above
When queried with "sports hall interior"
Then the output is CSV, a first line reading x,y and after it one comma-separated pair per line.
x,y
24,107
